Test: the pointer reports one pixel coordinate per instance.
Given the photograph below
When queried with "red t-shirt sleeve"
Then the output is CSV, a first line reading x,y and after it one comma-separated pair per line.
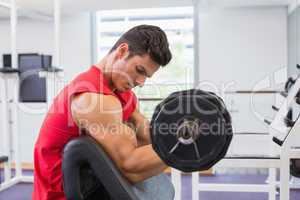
x,y
88,83
97,84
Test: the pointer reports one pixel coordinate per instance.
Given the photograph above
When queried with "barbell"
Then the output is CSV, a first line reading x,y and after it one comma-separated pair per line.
x,y
191,130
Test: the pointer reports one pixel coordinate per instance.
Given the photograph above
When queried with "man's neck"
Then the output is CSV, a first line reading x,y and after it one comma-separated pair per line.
x,y
106,71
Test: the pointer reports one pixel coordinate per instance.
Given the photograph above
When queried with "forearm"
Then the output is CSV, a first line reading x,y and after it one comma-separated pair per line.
x,y
144,163
135,163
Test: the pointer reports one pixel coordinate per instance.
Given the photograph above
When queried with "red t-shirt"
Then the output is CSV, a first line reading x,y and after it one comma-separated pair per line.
x,y
59,128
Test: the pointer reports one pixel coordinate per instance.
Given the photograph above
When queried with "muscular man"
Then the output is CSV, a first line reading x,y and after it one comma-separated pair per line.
x,y
99,102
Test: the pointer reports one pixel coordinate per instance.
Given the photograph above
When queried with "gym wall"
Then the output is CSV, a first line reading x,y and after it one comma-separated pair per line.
x,y
240,47
37,36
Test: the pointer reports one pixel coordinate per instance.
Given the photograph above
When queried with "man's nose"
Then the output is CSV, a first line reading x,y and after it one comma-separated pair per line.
x,y
140,80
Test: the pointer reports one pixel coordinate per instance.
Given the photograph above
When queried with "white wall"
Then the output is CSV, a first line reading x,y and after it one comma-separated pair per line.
x,y
242,42
239,48
243,49
37,36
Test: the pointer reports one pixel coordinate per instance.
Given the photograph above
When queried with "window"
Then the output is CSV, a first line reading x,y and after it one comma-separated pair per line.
x,y
178,25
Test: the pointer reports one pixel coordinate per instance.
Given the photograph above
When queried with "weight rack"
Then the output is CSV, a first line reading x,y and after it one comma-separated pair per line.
x,y
283,131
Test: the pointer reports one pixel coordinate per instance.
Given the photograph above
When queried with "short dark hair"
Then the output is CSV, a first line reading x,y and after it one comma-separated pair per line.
x,y
147,39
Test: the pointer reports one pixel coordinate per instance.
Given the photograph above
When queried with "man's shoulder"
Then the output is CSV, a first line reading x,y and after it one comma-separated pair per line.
x,y
90,80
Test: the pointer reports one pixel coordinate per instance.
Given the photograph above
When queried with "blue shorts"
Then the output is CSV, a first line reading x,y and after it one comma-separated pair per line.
x,y
155,188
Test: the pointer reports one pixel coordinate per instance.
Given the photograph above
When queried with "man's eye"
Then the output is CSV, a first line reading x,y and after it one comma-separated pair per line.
x,y
140,71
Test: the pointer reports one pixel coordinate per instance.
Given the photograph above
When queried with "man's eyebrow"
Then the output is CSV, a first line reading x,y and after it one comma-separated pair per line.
x,y
144,69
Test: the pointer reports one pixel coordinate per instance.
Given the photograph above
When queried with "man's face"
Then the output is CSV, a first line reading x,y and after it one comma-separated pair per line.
x,y
130,72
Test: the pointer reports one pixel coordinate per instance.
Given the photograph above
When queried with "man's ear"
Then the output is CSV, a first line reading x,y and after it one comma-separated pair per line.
x,y
122,50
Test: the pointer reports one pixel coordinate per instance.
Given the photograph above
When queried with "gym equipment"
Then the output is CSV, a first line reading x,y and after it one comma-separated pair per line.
x,y
275,108
8,72
287,137
284,94
9,77
285,131
6,60
289,83
297,98
267,121
208,148
191,130
53,76
288,120
85,151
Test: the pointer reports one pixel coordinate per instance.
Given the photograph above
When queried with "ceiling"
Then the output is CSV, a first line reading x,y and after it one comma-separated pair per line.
x,y
45,7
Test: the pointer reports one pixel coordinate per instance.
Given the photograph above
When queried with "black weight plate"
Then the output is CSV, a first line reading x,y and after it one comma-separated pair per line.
x,y
204,144
190,105
229,131
212,97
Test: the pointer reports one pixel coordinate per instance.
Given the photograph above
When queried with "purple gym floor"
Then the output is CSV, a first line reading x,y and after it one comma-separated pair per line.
x,y
23,191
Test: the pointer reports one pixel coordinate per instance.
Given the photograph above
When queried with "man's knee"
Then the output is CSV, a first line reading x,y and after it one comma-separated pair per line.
x,y
166,186
157,187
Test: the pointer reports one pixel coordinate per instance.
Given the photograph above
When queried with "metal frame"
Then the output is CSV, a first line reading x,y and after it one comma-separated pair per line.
x,y
94,40
10,130
289,137
12,134
269,188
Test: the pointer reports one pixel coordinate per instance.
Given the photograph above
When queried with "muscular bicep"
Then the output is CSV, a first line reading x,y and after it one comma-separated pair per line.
x,y
92,108
101,117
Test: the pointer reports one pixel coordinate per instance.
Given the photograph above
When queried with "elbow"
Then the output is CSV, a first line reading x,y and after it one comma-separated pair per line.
x,y
129,167
134,178
130,171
